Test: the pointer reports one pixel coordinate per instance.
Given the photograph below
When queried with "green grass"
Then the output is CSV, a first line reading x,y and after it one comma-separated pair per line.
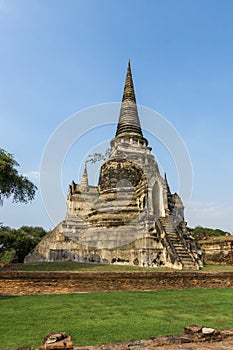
x,y
74,266
217,268
93,318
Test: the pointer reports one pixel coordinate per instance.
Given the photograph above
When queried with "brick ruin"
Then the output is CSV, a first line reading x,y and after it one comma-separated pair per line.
x,y
131,217
218,250
61,282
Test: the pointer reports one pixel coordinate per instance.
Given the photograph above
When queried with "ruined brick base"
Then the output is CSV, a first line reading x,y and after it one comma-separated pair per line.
x,y
194,337
24,283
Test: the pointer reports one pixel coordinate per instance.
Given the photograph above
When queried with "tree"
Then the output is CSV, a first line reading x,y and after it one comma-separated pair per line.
x,y
12,183
200,232
7,239
18,243
96,157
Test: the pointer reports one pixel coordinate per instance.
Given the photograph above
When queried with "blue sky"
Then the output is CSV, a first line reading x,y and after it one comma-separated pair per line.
x,y
60,57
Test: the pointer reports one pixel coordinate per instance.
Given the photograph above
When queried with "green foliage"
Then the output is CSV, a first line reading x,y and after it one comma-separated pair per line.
x,y
201,232
95,318
7,255
6,242
19,242
12,183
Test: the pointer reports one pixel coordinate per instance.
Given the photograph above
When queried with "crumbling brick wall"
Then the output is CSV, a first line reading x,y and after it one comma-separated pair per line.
x,y
21,283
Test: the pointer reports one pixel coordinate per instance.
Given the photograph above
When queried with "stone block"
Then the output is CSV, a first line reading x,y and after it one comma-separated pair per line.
x,y
57,341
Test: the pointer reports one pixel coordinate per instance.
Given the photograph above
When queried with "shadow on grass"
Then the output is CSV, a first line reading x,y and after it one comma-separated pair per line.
x,y
6,297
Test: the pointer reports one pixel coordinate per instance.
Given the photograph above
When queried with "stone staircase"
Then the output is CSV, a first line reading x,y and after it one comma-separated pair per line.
x,y
179,245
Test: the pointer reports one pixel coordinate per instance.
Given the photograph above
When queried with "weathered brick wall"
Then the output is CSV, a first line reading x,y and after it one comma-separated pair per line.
x,y
21,283
218,250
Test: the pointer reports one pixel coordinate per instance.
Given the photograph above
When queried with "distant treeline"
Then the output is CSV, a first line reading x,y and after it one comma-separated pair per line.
x,y
200,232
15,244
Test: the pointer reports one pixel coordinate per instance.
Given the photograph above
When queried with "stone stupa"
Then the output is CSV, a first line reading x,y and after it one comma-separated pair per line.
x,y
131,217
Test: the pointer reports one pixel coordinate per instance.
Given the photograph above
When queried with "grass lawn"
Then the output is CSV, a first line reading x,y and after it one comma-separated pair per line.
x,y
75,266
93,318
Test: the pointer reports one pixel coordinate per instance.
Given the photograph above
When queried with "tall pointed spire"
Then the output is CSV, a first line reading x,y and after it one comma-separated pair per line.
x,y
129,122
129,93
84,181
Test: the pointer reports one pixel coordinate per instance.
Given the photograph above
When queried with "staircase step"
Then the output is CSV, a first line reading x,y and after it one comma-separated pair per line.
x,y
177,243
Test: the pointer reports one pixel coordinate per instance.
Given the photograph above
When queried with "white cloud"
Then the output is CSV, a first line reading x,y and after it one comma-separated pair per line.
x,y
210,214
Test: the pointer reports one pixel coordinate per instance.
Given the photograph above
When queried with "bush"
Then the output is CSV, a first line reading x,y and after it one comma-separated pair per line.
x,y
17,243
200,232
